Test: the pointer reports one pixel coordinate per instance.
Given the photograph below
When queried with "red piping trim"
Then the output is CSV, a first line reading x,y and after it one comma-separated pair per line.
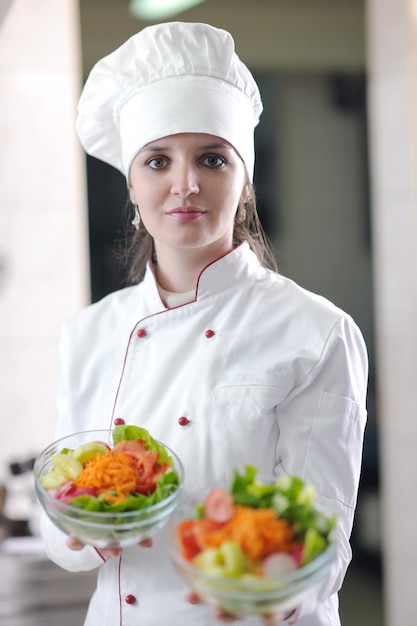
x,y
120,591
100,555
154,315
212,262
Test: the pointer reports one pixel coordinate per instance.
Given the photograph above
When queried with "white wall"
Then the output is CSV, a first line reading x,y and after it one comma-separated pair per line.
x,y
392,36
43,251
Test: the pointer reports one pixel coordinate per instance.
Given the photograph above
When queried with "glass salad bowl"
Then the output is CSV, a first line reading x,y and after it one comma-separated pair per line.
x,y
109,488
217,557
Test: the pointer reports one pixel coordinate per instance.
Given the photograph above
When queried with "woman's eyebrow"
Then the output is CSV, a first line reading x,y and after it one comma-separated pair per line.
x,y
212,146
217,146
153,149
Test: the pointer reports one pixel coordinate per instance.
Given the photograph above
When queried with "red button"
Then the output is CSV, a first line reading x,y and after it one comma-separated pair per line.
x,y
209,333
141,333
130,599
119,421
183,421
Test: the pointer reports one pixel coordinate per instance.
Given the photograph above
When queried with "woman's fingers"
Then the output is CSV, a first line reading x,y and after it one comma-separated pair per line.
x,y
74,544
272,619
110,553
193,598
222,616
146,543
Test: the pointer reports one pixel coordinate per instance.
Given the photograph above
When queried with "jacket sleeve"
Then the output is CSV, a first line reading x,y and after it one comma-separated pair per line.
x,y
54,540
57,551
322,426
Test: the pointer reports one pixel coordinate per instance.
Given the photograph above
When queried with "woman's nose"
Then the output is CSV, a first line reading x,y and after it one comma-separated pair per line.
x,y
185,181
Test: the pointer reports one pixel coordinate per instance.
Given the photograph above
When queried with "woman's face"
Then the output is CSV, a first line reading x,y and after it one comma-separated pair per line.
x,y
188,187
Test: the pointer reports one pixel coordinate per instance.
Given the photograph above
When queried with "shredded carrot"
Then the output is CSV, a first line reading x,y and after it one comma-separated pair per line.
x,y
258,531
114,474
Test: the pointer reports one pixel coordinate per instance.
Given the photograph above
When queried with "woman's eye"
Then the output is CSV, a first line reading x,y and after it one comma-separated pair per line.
x,y
214,161
157,163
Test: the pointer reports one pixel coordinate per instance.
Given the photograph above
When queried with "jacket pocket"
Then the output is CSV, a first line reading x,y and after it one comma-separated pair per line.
x,y
244,414
255,394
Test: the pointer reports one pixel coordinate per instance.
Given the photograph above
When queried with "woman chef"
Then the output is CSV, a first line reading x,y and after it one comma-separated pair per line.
x,y
227,362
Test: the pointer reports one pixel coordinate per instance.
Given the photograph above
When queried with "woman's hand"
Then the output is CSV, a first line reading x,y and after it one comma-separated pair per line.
x,y
270,619
108,553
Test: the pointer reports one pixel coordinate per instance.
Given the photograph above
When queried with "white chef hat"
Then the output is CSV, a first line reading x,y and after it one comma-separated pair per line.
x,y
169,78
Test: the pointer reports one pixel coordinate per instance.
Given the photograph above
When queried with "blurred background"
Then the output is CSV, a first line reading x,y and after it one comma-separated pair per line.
x,y
335,178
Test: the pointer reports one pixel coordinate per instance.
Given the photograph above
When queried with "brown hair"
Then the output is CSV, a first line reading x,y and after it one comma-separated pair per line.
x,y
138,246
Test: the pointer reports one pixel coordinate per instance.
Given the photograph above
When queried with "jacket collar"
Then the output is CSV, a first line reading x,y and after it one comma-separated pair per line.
x,y
224,272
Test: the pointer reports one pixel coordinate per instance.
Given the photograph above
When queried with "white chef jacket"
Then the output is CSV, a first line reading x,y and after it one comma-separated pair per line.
x,y
267,373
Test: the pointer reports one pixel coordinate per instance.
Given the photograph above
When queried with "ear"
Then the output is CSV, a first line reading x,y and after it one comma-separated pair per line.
x,y
245,196
132,195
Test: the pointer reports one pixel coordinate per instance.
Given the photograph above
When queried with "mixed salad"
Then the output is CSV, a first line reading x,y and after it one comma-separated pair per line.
x,y
255,531
133,474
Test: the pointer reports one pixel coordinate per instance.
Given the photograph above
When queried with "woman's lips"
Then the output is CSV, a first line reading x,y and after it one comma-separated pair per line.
x,y
186,214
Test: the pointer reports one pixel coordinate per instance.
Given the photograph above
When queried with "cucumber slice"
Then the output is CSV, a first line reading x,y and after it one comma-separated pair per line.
x,y
209,559
228,561
67,465
54,479
89,451
314,544
235,560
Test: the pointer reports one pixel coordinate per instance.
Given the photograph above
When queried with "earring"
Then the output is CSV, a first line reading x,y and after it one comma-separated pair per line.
x,y
136,219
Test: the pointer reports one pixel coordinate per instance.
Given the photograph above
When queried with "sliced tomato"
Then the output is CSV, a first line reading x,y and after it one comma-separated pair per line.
x,y
219,505
192,535
187,539
132,447
147,463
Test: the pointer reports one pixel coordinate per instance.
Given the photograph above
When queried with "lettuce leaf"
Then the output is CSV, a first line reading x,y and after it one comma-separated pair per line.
x,y
86,502
130,433
292,500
